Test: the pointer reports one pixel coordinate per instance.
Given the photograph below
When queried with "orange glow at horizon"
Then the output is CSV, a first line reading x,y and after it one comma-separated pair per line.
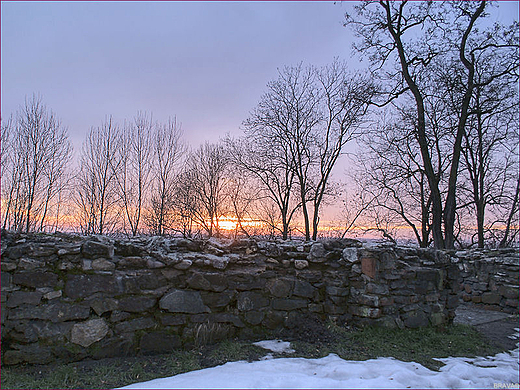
x,y
231,223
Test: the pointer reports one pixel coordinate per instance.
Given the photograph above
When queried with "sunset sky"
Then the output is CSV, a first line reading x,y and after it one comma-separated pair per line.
x,y
207,63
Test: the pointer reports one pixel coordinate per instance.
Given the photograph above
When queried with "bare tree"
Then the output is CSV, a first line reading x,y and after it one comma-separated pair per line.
x,y
511,231
447,34
39,152
168,150
287,115
489,147
310,114
267,162
344,103
185,205
96,190
243,198
207,172
133,177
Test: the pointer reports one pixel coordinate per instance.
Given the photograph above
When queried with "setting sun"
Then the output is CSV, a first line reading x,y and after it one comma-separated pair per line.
x,y
227,224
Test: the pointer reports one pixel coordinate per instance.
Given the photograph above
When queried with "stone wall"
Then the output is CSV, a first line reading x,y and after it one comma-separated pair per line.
x,y
68,297
490,278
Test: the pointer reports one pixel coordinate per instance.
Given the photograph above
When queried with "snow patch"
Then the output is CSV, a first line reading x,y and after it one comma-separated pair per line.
x,y
333,372
275,346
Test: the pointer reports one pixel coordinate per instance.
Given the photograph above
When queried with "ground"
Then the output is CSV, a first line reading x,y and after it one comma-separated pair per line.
x,y
493,325
308,338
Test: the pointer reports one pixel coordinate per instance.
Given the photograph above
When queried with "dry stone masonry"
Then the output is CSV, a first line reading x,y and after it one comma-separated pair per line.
x,y
490,278
68,297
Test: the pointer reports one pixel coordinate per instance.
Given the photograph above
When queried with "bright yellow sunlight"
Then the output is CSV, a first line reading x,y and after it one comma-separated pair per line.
x,y
231,223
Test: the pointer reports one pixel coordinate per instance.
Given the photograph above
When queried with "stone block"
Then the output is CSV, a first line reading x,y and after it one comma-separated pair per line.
x,y
386,321
280,288
386,301
303,289
35,279
7,266
50,331
15,252
289,304
53,295
387,261
82,286
224,318
173,319
491,298
245,282
5,280
183,264
17,298
198,282
273,319
249,300
218,282
377,288
180,301
301,264
89,332
53,311
136,324
154,264
369,266
159,343
317,254
415,319
103,265
220,263
150,281
254,317
94,249
133,262
69,250
365,312
398,284
115,347
437,318
42,250
476,298
32,354
510,292
368,300
103,305
136,304
337,291
86,265
350,255
512,302
452,302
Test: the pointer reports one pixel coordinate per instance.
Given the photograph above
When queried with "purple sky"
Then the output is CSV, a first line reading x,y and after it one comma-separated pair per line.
x,y
205,62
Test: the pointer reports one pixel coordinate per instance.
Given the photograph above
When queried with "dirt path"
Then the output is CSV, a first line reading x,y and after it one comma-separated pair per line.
x,y
499,328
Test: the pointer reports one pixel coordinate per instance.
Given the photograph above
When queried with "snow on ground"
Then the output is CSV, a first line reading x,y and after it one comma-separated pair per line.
x,y
275,346
499,371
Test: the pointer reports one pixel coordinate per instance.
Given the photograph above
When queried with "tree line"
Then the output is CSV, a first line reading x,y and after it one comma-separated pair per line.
x,y
435,118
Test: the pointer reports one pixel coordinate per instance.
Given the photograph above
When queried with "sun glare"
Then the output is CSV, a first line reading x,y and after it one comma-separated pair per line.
x,y
230,223
227,224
